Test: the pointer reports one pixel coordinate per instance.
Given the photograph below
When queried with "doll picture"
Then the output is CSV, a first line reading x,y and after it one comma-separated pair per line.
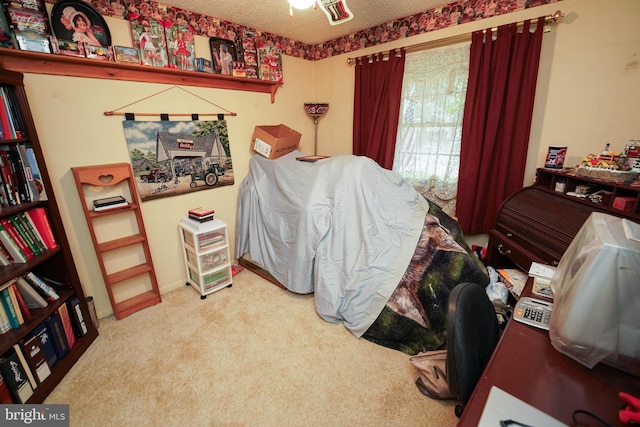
x,y
148,35
181,47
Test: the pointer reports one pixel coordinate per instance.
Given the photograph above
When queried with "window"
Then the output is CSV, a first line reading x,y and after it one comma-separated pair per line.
x,y
430,124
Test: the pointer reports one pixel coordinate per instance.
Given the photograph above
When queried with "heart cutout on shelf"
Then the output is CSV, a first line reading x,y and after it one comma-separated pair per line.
x,y
106,178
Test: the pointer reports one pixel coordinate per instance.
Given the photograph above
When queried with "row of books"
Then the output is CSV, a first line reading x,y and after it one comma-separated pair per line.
x,y
29,362
11,126
20,179
19,296
25,235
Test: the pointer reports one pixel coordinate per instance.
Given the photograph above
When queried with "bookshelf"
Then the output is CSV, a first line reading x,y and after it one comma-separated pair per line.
x,y
119,237
55,263
205,247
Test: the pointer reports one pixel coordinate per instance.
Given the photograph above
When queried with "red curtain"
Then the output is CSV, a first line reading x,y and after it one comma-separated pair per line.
x,y
497,121
378,91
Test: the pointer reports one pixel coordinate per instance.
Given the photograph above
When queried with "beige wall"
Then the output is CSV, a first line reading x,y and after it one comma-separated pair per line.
x,y
588,94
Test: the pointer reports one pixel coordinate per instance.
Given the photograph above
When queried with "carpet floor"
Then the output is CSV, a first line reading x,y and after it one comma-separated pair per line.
x,y
249,355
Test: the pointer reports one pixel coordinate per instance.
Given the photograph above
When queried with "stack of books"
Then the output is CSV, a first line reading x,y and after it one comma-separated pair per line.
x,y
201,214
107,203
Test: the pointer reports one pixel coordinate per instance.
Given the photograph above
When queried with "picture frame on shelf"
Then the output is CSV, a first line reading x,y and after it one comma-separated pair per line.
x,y
149,36
102,53
223,54
7,38
31,29
180,43
126,55
78,21
66,47
270,63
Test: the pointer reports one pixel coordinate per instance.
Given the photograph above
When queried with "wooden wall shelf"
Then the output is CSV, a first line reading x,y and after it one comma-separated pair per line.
x,y
63,65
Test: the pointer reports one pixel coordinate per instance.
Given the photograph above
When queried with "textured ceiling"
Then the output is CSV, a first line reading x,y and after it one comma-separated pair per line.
x,y
307,26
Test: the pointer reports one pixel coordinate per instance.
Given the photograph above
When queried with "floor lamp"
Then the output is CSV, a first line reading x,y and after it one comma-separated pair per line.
x,y
315,110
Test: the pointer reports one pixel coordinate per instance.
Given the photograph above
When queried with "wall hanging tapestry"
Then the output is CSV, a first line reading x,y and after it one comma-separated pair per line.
x,y
175,157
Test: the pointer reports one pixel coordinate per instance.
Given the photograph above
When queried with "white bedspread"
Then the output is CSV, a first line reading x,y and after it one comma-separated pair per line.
x,y
343,228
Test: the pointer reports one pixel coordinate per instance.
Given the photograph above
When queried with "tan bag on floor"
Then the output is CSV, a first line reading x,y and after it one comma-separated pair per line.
x,y
430,374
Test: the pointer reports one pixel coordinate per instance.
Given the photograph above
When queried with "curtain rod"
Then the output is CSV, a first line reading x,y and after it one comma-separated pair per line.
x,y
548,20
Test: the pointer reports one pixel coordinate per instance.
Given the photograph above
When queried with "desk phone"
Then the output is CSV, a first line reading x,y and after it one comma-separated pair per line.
x,y
533,312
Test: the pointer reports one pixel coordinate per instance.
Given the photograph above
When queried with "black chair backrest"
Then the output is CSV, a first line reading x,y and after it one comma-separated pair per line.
x,y
473,334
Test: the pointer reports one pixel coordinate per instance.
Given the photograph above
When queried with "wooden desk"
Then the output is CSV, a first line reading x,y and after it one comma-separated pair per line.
x,y
527,366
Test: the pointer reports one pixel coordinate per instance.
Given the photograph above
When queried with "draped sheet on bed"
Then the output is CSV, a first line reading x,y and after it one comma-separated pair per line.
x,y
347,230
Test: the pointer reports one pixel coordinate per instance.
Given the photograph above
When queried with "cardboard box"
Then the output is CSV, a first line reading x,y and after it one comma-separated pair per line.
x,y
275,141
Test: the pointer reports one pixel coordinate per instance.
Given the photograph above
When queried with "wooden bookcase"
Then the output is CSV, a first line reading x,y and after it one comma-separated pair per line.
x,y
56,263
119,237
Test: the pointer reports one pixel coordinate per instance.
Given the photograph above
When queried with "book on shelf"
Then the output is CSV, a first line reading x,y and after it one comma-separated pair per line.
x,y
80,325
35,358
32,184
67,325
12,247
22,304
25,365
50,355
13,111
5,256
31,297
9,308
5,394
27,236
35,172
8,189
5,324
31,228
16,237
17,174
109,203
40,220
15,377
57,335
40,285
14,302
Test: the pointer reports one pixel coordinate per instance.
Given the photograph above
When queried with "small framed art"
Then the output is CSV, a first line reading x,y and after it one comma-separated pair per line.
x,y
127,55
223,54
78,21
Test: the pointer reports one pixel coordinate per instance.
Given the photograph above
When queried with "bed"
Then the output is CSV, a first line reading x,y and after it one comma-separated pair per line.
x,y
377,256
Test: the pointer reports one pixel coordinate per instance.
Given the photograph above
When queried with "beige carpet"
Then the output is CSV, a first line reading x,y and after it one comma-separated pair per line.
x,y
249,355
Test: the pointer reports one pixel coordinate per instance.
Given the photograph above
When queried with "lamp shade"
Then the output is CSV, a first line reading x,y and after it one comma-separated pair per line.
x,y
316,108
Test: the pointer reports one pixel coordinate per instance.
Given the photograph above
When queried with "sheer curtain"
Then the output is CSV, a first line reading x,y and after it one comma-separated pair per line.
x,y
378,85
427,150
497,121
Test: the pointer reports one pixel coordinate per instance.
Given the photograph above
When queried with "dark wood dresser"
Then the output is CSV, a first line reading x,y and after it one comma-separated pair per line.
x,y
537,223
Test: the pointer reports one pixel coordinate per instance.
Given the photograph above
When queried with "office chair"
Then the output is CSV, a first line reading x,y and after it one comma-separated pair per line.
x,y
473,334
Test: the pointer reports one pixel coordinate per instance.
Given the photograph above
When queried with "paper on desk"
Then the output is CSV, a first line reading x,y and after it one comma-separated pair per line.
x,y
501,406
541,270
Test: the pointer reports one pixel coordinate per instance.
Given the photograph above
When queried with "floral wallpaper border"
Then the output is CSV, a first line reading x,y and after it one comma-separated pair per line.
x,y
454,13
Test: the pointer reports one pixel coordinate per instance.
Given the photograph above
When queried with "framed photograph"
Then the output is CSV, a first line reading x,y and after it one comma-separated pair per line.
x,y
127,55
223,54
77,21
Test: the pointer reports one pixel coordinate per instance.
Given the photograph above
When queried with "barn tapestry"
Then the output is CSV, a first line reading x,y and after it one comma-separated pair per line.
x,y
176,157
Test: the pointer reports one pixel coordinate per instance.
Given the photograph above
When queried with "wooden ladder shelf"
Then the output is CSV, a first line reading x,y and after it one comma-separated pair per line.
x,y
130,288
